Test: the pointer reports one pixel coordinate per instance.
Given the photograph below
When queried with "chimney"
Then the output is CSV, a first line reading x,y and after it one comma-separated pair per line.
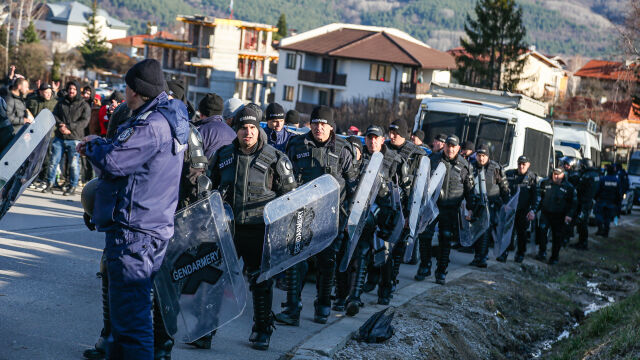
x,y
152,29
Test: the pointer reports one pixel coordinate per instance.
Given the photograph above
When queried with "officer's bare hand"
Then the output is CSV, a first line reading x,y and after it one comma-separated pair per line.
x,y
82,145
28,120
567,219
531,215
469,215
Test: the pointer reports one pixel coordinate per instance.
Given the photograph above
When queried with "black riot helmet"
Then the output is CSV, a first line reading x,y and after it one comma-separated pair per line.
x,y
568,161
587,164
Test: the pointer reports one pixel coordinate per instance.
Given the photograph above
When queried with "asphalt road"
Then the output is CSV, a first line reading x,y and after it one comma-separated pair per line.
x,y
50,300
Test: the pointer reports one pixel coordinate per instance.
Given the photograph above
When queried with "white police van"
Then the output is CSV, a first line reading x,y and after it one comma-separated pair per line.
x,y
580,136
510,124
633,170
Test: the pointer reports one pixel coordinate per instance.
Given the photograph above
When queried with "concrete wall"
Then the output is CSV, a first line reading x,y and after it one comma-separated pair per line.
x,y
74,35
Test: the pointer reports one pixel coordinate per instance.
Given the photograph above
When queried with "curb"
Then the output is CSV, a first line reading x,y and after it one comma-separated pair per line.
x,y
334,337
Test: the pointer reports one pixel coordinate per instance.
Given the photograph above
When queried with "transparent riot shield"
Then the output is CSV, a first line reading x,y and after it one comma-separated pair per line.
x,y
504,229
470,231
299,225
22,159
398,225
416,201
200,286
362,200
430,208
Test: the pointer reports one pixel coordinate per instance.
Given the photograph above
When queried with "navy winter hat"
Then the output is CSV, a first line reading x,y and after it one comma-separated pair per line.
x,y
323,114
275,111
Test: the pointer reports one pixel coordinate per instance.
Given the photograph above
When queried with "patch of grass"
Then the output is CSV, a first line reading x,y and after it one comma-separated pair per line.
x,y
569,278
615,327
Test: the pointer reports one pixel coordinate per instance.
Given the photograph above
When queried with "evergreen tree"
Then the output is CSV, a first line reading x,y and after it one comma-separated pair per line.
x,y
282,28
494,43
95,47
30,35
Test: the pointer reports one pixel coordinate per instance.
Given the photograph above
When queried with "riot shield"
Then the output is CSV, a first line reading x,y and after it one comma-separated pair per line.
x,y
200,286
365,195
416,201
430,208
504,229
299,225
398,226
21,160
470,231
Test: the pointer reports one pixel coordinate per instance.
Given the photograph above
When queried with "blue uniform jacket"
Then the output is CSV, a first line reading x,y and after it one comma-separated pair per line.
x,y
610,191
140,170
215,134
279,139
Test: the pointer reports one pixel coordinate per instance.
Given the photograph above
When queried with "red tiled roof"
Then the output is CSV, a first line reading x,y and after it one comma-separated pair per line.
x,y
136,40
374,46
606,70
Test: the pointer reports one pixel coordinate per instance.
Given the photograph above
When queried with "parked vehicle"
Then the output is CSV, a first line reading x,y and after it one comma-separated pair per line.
x,y
633,169
580,136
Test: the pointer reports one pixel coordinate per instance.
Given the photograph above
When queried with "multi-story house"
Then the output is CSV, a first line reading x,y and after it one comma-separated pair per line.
x,y
63,25
337,63
231,58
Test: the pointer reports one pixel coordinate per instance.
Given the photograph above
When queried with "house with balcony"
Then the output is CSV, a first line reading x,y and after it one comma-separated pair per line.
x,y
133,45
231,58
337,63
63,26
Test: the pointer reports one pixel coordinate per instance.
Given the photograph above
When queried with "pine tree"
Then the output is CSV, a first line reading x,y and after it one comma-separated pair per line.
x,y
95,47
282,28
30,36
494,45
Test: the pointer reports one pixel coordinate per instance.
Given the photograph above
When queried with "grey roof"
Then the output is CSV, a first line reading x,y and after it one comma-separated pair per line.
x,y
73,12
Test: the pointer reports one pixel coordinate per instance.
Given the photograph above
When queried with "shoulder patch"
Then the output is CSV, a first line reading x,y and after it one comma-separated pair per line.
x,y
125,135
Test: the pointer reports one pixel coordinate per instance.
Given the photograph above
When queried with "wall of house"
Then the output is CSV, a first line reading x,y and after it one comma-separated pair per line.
x,y
71,36
535,75
288,77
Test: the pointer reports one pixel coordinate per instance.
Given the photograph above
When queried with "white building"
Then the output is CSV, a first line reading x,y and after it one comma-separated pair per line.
x,y
63,25
231,58
543,77
340,62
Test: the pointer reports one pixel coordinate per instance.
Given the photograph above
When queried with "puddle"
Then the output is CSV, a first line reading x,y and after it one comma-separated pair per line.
x,y
593,307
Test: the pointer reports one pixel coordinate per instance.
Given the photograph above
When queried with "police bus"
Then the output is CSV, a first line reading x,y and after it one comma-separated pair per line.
x,y
510,124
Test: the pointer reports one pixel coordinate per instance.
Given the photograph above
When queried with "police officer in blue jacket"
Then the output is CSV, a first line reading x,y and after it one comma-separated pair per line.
x,y
135,202
608,200
277,135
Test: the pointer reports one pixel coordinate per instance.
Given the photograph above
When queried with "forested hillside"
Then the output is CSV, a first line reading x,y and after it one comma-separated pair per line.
x,y
570,27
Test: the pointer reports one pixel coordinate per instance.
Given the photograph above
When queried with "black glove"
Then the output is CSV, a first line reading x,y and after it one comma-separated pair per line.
x,y
87,222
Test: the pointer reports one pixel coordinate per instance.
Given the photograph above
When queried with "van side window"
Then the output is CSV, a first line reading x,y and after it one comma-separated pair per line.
x,y
537,147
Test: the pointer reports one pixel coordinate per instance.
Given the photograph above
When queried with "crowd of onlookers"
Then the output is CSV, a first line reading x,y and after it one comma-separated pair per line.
x,y
78,112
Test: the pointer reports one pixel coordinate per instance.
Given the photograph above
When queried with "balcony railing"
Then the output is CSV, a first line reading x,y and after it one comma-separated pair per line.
x,y
322,78
304,108
414,88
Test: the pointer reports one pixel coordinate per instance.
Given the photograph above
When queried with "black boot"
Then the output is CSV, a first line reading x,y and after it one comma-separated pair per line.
x,y
519,258
291,313
502,258
440,276
373,278
398,255
342,291
100,349
262,315
542,256
204,342
163,351
354,303
384,295
424,271
48,188
322,304
162,341
481,248
70,191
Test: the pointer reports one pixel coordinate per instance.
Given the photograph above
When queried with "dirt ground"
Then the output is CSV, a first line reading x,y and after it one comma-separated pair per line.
x,y
520,311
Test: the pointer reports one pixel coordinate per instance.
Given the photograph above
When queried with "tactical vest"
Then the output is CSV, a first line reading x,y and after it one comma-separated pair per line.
x,y
452,192
588,186
610,189
557,198
527,185
311,162
388,169
491,172
245,181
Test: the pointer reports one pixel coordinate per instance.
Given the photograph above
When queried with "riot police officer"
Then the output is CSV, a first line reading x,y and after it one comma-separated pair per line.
x,y
249,173
588,186
277,134
457,186
411,155
497,193
558,205
317,153
608,200
384,219
527,181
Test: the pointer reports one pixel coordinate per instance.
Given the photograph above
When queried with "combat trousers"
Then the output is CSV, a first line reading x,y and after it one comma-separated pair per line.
x,y
133,259
520,227
582,223
606,213
554,222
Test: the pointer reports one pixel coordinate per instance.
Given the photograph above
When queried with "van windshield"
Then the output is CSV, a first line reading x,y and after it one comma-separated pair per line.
x,y
634,167
492,131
